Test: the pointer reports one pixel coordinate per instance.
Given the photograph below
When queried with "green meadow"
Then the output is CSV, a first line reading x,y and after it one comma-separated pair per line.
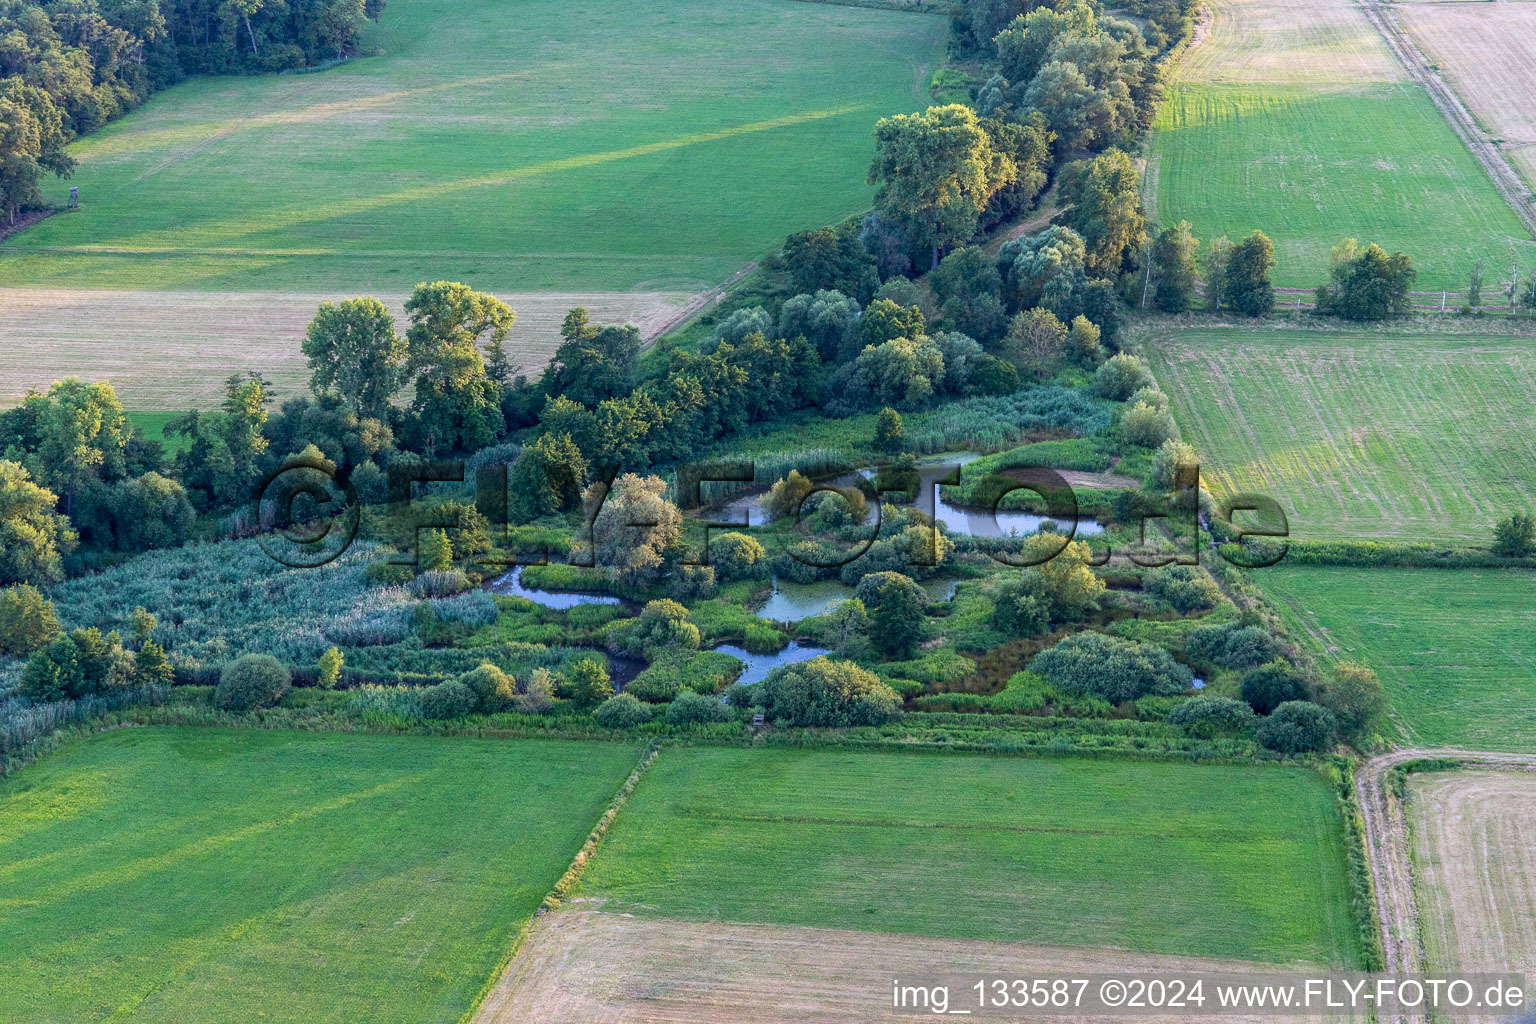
x,y
1241,862
209,875
521,145
1454,648
1383,434
1309,166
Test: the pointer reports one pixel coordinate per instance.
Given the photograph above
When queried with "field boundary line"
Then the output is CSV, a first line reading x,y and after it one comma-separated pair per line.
x,y
566,882
706,299
1508,182
1387,847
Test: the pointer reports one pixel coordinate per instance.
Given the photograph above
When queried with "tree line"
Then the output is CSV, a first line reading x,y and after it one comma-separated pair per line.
x,y
68,67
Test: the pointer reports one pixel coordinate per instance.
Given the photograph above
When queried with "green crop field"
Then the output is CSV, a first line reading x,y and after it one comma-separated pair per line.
x,y
1454,648
1322,139
520,145
1360,435
212,875
1222,861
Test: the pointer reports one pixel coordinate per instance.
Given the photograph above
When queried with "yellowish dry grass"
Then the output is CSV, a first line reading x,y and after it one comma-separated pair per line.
x,y
1475,869
171,350
582,966
1310,42
1487,52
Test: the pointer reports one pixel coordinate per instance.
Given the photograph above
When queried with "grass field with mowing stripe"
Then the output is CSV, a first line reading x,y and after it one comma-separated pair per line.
x,y
200,875
1213,861
1360,435
1454,648
520,145
1294,119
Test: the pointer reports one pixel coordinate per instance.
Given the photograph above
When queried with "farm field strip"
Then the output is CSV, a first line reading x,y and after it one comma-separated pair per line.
x,y
1297,119
202,875
172,350
1035,851
1487,53
1454,648
582,965
1475,869
573,146
1357,435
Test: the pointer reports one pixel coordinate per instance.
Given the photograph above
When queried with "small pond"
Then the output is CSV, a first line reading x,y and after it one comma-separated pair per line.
x,y
759,665
792,602
511,585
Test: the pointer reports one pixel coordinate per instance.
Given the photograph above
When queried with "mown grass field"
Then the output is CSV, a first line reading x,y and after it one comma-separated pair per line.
x,y
1454,648
1475,868
1294,118
520,145
210,875
1360,435
1215,861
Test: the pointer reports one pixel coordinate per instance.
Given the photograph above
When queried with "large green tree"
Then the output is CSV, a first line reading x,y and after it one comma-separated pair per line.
x,y
937,171
1248,287
896,612
34,537
356,354
458,403
1105,194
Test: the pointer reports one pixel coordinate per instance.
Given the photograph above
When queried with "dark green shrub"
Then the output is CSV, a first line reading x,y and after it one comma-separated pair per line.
x,y
1298,727
1232,645
492,687
1274,683
1188,588
688,708
447,700
387,574
736,556
824,692
27,621
1209,716
622,712
250,682
895,605
1515,537
1115,670
53,673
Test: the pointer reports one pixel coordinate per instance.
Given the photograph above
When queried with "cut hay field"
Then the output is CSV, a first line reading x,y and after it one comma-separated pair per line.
x,y
172,350
184,876
1487,52
1475,869
518,145
581,966
1454,648
1296,119
1237,862
1360,435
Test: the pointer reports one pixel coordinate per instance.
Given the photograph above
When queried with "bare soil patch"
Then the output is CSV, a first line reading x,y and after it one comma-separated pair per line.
x,y
582,966
167,351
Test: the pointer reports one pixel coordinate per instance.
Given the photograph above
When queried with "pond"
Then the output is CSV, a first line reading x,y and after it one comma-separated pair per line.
x,y
1007,523
792,602
960,520
759,665
511,585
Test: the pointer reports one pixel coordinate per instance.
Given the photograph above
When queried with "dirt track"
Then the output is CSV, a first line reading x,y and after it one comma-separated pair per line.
x,y
1387,845
584,966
